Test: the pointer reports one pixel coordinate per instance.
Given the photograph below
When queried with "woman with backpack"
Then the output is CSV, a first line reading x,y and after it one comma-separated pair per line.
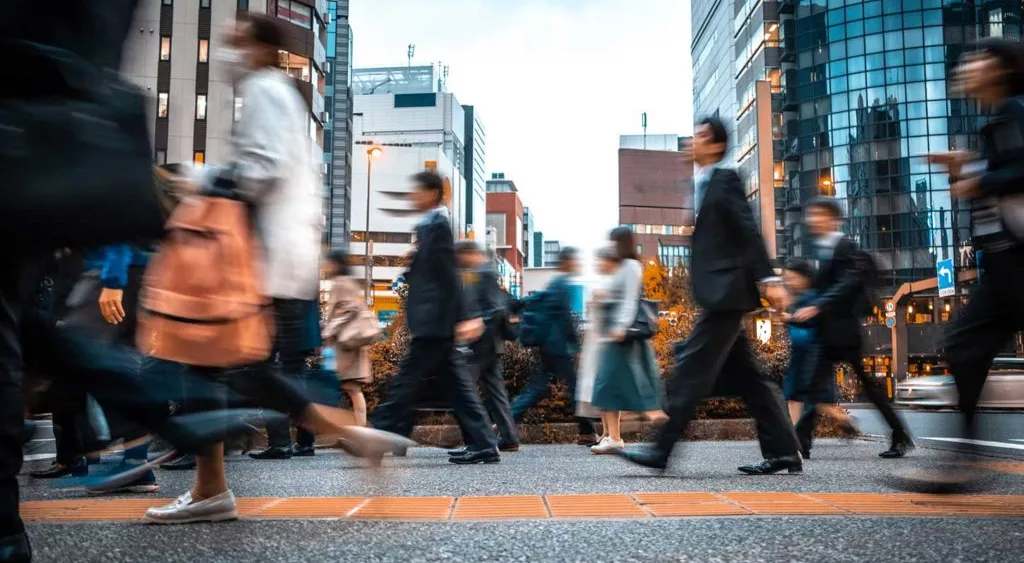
x,y
627,373
349,326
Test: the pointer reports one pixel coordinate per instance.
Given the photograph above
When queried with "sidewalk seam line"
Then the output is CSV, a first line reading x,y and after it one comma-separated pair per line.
x,y
359,506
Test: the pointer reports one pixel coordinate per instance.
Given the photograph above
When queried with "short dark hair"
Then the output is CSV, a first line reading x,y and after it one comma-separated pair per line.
x,y
431,181
719,134
625,246
827,204
800,266
1010,55
265,30
566,254
339,259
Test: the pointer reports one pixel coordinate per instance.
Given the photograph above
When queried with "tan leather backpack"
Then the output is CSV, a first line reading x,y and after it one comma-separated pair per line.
x,y
202,301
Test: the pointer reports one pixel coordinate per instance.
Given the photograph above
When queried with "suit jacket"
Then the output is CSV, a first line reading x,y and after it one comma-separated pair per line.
x,y
436,302
839,283
488,300
561,338
728,255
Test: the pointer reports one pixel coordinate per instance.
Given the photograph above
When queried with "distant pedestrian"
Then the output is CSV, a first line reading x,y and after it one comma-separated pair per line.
x,y
349,301
559,345
809,383
488,353
627,371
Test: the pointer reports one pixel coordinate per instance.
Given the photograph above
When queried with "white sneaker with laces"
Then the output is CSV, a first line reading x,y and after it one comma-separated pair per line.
x,y
184,510
608,446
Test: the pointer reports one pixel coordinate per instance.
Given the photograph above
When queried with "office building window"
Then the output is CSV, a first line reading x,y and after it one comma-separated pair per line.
x,y
161,157
165,48
168,2
238,108
296,12
199,158
201,106
204,3
204,50
496,221
162,101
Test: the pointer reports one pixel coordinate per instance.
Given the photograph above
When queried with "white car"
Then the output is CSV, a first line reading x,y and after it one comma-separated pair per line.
x,y
1004,389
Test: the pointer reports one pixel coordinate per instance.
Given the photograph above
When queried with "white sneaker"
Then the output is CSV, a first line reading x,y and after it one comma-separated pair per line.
x,y
608,446
184,510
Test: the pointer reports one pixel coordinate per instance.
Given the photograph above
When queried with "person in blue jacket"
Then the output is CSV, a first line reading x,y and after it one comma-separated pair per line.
x,y
103,302
809,382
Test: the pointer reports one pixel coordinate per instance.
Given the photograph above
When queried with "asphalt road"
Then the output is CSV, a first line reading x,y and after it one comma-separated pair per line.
x,y
1000,433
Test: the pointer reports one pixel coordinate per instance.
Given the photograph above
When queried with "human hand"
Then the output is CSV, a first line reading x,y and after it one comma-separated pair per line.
x,y
617,335
966,189
953,161
111,306
806,313
777,296
469,331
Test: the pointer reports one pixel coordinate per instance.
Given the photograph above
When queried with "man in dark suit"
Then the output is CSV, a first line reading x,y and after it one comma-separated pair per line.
x,y
842,271
729,262
559,348
489,299
439,316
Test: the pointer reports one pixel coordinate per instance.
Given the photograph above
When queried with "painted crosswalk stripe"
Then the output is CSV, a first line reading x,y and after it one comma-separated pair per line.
x,y
986,443
37,457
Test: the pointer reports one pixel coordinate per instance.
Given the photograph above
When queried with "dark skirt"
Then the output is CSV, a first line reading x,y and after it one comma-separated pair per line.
x,y
627,378
809,378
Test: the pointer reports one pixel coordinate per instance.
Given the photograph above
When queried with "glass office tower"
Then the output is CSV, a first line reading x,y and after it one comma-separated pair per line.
x,y
872,99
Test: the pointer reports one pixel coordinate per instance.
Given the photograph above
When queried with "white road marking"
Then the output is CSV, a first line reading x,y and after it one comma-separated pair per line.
x,y
986,443
37,457
43,440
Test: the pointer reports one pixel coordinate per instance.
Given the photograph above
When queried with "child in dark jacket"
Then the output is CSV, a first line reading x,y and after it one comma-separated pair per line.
x,y
803,383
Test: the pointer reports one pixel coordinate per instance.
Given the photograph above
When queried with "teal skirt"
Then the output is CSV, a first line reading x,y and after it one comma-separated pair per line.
x,y
627,378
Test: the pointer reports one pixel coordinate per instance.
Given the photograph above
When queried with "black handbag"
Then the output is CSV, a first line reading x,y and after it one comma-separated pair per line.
x,y
76,160
644,327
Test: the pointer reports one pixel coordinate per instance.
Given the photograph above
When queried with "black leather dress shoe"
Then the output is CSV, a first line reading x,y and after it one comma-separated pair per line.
x,y
899,448
793,464
78,468
15,549
182,463
479,456
508,447
273,452
458,451
303,451
647,457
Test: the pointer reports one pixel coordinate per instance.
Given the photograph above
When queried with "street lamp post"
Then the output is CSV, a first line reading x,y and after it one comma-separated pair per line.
x,y
371,153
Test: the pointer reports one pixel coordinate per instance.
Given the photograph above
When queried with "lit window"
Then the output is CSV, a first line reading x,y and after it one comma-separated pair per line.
x,y
238,108
204,3
199,158
162,101
204,50
296,12
165,48
201,106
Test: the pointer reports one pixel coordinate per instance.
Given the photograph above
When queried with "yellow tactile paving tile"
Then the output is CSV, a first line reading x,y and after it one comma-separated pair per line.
x,y
312,507
1013,467
486,508
533,507
406,508
594,506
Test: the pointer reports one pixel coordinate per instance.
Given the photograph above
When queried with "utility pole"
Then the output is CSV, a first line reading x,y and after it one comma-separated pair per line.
x,y
411,52
643,123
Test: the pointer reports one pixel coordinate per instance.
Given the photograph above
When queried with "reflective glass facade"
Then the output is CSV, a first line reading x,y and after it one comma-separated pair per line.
x,y
872,98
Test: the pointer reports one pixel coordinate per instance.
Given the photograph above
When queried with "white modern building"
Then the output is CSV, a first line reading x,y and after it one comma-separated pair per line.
x,y
403,116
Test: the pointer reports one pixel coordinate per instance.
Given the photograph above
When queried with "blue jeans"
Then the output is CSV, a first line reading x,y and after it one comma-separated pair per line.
x,y
551,368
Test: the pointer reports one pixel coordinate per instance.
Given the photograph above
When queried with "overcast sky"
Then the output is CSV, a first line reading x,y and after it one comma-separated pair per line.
x,y
555,81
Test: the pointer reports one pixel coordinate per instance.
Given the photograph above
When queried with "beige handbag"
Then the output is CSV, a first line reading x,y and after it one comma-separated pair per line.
x,y
351,325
